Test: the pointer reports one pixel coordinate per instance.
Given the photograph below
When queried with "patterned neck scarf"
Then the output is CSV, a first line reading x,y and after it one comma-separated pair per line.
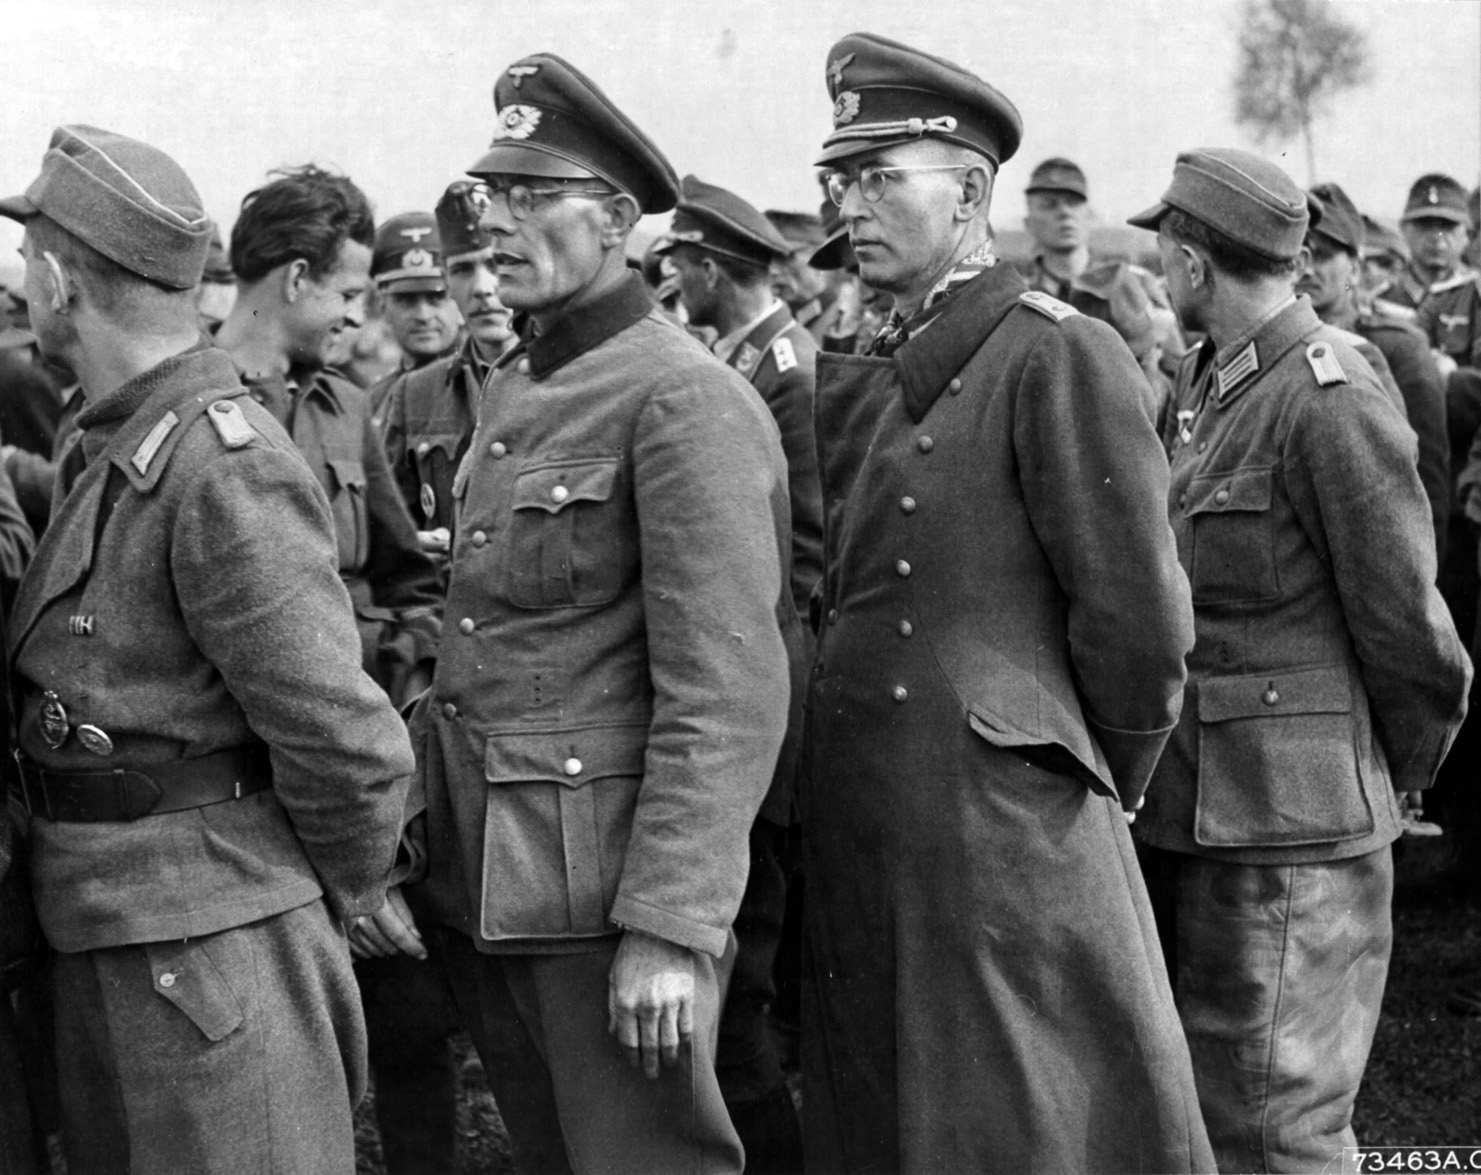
x,y
898,329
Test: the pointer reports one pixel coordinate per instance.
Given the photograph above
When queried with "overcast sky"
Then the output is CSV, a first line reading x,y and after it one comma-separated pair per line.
x,y
399,94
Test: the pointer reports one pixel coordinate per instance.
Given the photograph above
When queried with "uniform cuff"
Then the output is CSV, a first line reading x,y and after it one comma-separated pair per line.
x,y
685,932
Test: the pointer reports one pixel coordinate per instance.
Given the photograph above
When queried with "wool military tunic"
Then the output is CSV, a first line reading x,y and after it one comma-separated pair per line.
x,y
999,662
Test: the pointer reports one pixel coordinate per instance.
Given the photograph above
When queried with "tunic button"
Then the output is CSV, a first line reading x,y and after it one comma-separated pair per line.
x,y
449,710
167,979
1202,445
1270,697
423,449
523,367
497,449
905,628
899,693
902,568
907,504
572,766
955,387
559,494
1182,501
925,444
832,615
478,538
1221,497
465,625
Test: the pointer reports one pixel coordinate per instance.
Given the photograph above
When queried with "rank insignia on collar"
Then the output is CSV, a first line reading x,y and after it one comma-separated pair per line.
x,y
846,109
516,122
55,725
95,739
746,359
836,68
150,445
520,72
80,625
1238,369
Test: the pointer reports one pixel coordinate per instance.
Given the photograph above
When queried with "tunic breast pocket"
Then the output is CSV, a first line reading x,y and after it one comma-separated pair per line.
x,y
347,502
1233,559
568,545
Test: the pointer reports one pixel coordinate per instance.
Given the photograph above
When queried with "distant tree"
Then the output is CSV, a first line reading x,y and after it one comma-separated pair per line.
x,y
1294,57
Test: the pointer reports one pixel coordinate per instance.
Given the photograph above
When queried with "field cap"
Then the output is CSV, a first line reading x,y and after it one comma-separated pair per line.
x,y
553,121
1341,221
129,201
719,221
407,255
1242,195
885,93
1437,196
459,223
1058,175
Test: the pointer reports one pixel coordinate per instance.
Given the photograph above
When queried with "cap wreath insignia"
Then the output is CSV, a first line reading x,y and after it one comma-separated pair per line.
x,y
846,108
417,259
516,122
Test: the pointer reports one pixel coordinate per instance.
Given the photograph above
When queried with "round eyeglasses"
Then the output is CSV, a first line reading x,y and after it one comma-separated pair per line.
x,y
521,197
873,178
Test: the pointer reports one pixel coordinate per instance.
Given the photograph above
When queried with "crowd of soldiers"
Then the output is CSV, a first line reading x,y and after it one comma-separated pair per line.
x,y
811,695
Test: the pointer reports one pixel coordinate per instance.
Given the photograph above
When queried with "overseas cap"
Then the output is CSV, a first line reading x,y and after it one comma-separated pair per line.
x,y
459,213
554,121
1341,220
799,229
1058,175
129,201
408,254
885,93
1247,198
721,222
1436,196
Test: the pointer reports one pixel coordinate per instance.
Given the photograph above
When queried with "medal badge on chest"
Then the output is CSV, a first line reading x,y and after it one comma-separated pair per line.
x,y
54,723
95,739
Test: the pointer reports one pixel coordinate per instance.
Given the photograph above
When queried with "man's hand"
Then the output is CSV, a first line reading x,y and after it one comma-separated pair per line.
x,y
435,542
390,930
650,1000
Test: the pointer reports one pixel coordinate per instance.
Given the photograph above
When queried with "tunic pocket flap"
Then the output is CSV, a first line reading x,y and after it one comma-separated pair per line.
x,y
186,975
1222,493
554,487
1260,695
571,757
348,475
447,442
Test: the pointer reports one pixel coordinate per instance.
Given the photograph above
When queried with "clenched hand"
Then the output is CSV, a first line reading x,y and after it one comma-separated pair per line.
x,y
650,1000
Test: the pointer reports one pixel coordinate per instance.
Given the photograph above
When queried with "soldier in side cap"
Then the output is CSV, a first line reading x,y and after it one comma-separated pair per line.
x,y
1437,227
810,293
1125,295
612,687
981,714
212,781
407,268
1325,683
723,248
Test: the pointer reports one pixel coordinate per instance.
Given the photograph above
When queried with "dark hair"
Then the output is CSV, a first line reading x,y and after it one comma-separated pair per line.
x,y
107,281
1228,256
308,213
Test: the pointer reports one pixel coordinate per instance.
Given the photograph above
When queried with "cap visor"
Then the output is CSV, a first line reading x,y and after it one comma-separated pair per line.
x,y
523,159
18,208
1423,212
848,147
1151,217
834,253
432,283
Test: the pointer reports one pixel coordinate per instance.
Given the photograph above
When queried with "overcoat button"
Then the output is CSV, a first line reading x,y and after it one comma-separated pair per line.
x,y
1202,445
449,710
497,449
572,766
902,568
925,444
832,615
899,693
905,628
559,494
1270,697
955,387
907,504
523,367
1221,497
465,625
478,538
424,448
167,979
1182,501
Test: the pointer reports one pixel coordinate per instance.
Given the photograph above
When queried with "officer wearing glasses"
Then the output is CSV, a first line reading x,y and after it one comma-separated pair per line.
x,y
999,663
612,689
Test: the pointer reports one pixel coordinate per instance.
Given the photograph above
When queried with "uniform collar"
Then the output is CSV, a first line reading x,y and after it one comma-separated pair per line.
x,y
1237,365
575,333
725,347
126,399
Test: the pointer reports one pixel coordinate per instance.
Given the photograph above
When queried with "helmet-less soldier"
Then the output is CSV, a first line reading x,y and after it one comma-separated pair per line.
x,y
211,776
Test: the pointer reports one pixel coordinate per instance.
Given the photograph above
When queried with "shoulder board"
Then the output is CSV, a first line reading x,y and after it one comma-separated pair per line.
x,y
1324,365
1394,310
784,354
1047,305
1453,283
231,426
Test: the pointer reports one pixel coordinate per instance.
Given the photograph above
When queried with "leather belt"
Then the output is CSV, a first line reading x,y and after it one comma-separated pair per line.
x,y
128,793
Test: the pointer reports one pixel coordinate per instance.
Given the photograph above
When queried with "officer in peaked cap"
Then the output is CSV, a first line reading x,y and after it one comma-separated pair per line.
x,y
595,746
429,414
212,781
1293,494
1124,295
1436,224
723,248
406,266
976,728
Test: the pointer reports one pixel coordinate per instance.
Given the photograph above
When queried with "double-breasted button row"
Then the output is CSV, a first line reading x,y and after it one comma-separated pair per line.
x,y
465,625
907,504
498,449
900,693
449,710
478,538
925,444
902,568
955,387
832,615
905,628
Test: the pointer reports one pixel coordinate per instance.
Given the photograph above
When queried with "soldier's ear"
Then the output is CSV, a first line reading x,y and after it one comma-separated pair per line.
x,y
61,289
294,278
619,213
975,193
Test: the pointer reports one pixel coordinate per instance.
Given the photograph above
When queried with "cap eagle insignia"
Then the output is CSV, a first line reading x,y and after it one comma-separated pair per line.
x,y
836,68
520,72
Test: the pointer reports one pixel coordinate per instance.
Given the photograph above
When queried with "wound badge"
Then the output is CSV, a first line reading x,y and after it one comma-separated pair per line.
x,y
516,122
54,724
846,109
94,739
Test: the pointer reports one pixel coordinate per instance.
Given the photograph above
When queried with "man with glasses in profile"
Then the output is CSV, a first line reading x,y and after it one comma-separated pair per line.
x,y
999,663
612,687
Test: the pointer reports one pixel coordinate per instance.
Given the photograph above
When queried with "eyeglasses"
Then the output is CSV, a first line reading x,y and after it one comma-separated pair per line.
x,y
521,197
872,179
